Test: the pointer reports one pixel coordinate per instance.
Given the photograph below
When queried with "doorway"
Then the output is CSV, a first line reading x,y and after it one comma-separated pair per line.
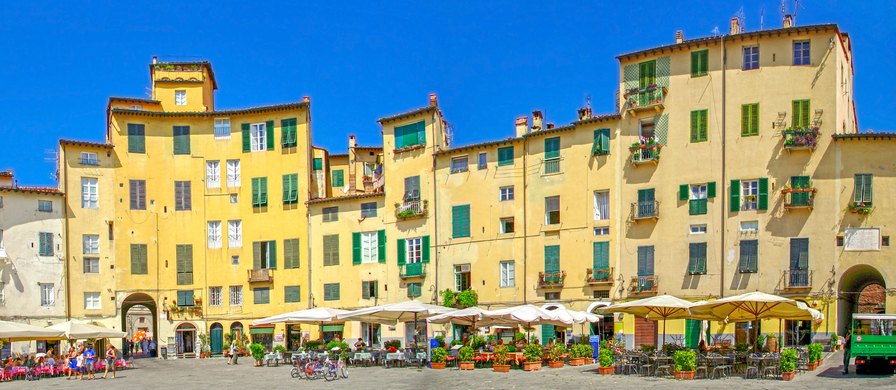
x,y
645,332
857,293
185,338
216,336
139,312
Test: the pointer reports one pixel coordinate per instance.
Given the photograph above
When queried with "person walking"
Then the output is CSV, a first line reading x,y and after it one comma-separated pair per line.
x,y
79,363
145,346
110,361
152,347
847,346
90,361
233,352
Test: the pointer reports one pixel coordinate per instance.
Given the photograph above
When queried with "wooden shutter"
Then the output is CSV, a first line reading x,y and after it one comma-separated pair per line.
x,y
284,133
863,188
185,139
683,192
421,132
133,193
754,119
642,258
188,203
272,254
601,256
424,248
135,258
401,251
381,245
763,194
695,63
247,138
356,248
338,180
693,255
703,125
649,261
399,137
595,145
178,195
604,141
552,259
365,290
263,191
296,254
269,131
547,333
287,254
804,114
254,191
286,189
188,263
695,120
744,120
552,147
711,189
735,196
803,261
256,255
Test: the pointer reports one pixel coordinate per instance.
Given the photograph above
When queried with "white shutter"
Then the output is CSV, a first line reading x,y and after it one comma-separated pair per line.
x,y
511,273
213,174
233,173
503,274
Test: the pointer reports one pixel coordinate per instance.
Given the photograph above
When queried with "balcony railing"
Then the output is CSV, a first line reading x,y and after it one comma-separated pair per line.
x,y
800,139
551,166
411,209
599,276
264,275
643,153
643,284
637,99
799,198
645,210
798,278
89,161
551,279
412,270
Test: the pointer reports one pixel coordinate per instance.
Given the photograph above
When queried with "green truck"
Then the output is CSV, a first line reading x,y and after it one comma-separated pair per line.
x,y
873,342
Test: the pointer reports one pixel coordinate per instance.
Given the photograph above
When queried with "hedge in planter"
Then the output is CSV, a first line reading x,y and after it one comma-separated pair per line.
x,y
580,354
605,358
439,355
815,350
500,364
556,355
257,351
465,358
685,364
532,353
788,364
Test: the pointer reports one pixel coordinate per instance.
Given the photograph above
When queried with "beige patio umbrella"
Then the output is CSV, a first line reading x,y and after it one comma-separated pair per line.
x,y
78,331
527,315
14,331
752,306
576,317
664,306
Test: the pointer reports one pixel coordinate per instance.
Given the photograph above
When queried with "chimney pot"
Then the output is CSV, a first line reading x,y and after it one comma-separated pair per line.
x,y
522,126
679,36
788,21
155,60
306,99
584,113
537,120
550,126
735,26
433,102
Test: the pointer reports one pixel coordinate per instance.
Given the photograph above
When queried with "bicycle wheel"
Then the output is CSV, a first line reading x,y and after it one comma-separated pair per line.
x,y
343,370
330,372
294,372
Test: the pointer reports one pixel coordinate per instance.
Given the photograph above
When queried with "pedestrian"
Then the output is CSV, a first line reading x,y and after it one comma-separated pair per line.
x,y
233,351
848,346
145,347
90,361
152,347
79,366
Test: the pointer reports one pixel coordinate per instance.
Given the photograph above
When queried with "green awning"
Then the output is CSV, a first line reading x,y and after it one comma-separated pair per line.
x,y
332,328
261,330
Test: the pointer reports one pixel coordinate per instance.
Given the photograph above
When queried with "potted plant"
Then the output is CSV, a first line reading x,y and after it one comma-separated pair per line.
x,y
685,364
465,358
478,343
439,355
605,359
205,346
835,342
760,341
577,355
815,355
788,364
648,349
532,353
771,342
500,364
257,351
556,356
392,345
337,344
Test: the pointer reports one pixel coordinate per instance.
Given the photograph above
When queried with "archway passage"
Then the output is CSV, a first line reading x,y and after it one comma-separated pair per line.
x,y
141,303
873,299
853,283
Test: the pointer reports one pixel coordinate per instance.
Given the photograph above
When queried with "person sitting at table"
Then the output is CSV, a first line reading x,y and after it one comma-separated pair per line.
x,y
491,346
550,343
701,348
359,345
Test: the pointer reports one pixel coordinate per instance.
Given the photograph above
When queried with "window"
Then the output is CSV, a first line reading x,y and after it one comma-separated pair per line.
x,y
182,198
292,294
800,52
749,256
483,160
259,192
507,225
288,133
506,193
234,260
47,294
697,201
261,295
213,174
234,198
552,210
369,169
184,257
92,300
410,135
46,247
138,259
602,231
185,298
697,258
749,226
799,262
601,205
505,156
236,295
317,164
645,263
368,210
330,214
749,120
331,292
331,250
136,107
369,247
233,173
258,134
88,158
601,145
215,297
291,253
698,229
552,155
461,277
137,189
264,255
411,188
460,221
180,98
800,198
699,63
90,244
368,289
89,194
415,290
235,234
291,188
338,178
91,265
181,139
863,189
601,260
459,164
646,128
552,259
414,250
750,194
508,273
800,114
45,206
222,129
646,74
751,57
601,294
698,125
885,241
552,296
136,138
214,234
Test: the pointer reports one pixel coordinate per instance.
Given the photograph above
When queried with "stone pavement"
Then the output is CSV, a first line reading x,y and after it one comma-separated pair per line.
x,y
215,373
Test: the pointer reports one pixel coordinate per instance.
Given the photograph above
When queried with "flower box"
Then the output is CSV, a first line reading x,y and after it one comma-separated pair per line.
x,y
531,366
556,364
437,366
466,365
501,367
605,370
684,375
577,362
788,376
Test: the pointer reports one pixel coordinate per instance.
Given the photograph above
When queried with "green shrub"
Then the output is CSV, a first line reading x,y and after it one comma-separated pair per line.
x,y
685,360
556,353
333,344
670,349
511,348
477,343
313,345
467,298
788,360
582,351
500,355
280,349
834,339
815,350
519,336
532,352
257,351
392,343
533,340
439,355
448,298
441,341
605,357
760,341
465,354
491,337
647,348
741,346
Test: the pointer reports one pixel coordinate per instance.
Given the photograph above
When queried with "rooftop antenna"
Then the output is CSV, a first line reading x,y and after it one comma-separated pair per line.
x,y
796,10
741,19
762,18
52,156
783,8
715,31
588,101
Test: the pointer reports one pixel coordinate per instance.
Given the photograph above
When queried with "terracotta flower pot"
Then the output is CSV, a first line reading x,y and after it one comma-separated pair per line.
x,y
577,362
557,364
501,367
788,376
437,366
685,375
605,370
531,366
812,366
466,365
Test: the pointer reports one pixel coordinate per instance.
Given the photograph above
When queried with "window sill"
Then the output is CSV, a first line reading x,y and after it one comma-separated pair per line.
x,y
551,227
408,148
222,138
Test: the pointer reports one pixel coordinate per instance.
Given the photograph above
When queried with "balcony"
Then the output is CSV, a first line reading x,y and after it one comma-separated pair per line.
x,y
411,209
261,275
797,279
599,276
551,279
640,99
90,161
412,270
799,198
643,284
800,139
645,210
645,153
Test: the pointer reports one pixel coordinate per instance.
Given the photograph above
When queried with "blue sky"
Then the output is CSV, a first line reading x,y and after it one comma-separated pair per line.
x,y
358,61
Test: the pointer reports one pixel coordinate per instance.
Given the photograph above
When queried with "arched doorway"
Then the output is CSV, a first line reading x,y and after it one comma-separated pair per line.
x,y
139,312
216,336
604,328
550,331
237,335
185,334
853,282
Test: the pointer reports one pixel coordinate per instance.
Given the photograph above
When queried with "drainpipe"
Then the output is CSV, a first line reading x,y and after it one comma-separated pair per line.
x,y
525,220
68,287
723,212
308,207
435,206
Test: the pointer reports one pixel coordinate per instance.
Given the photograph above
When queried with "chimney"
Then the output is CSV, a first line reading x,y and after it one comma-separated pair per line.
x,y
351,142
788,21
433,102
522,126
735,26
155,60
584,113
306,99
549,126
679,36
537,120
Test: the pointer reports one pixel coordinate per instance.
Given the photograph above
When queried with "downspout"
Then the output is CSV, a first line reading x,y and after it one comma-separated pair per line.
x,y
525,220
723,213
68,287
435,207
308,157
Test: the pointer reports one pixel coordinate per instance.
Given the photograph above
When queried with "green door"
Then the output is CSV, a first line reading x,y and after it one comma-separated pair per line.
x,y
217,338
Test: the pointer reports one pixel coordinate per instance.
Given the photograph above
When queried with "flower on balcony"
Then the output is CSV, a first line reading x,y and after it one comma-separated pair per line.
x,y
859,208
645,142
750,198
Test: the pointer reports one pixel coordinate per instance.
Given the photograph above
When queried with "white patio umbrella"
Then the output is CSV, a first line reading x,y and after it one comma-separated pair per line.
x,y
14,331
753,306
666,307
319,315
78,331
392,313
576,317
526,314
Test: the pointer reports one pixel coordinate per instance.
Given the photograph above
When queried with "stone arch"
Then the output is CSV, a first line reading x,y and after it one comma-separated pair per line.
x,y
852,282
141,299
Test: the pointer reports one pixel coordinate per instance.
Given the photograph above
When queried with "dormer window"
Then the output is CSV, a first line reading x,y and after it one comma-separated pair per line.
x,y
180,98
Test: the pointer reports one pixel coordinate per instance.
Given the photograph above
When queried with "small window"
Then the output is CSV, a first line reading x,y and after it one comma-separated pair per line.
x,y
749,226
749,195
699,125
462,277
697,258
369,247
601,294
213,174
839,240
88,158
552,296
698,229
330,214
214,235
601,205
699,63
136,107
751,57
91,265
508,273
92,300
292,294
459,164
800,52
90,244
552,210
234,260
602,231
368,289
222,128
45,206
885,241
233,173
414,250
215,296
506,193
258,136
47,294
505,156
236,295
317,164
507,225
180,98
262,295
368,210
483,160
415,290
331,250
234,198
331,292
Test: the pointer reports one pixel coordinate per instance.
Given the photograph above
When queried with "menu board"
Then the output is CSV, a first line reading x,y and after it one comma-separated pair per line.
x,y
862,239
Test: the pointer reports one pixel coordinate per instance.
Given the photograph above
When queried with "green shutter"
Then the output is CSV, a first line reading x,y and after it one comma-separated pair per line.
x,y
694,123
285,189
338,178
272,250
601,256
460,221
135,259
255,191
711,189
863,189
604,141
256,255
695,63
401,251
754,119
247,141
505,156
547,333
763,194
318,164
703,125
735,196
595,146
744,120
269,131
356,248
263,191
552,147
287,254
421,133
551,259
424,248
804,114
381,245
683,192
692,333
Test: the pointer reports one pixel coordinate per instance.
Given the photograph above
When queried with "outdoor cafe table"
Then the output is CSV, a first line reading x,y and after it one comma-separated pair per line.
x,y
397,356
516,357
365,357
718,361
